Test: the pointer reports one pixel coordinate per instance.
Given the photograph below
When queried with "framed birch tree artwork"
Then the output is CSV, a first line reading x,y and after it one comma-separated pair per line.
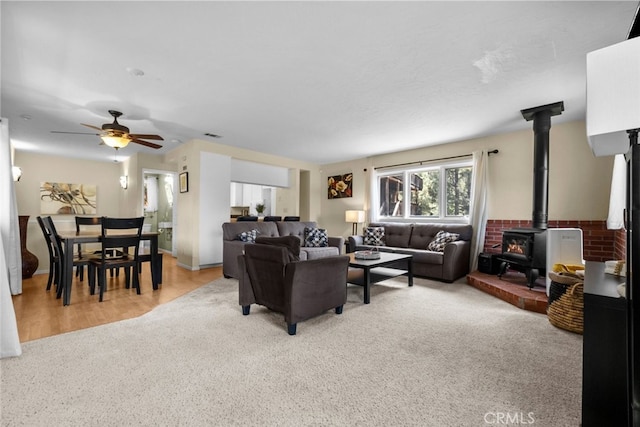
x,y
58,198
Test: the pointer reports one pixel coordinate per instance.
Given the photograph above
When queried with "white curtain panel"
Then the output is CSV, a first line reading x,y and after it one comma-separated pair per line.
x,y
617,198
370,199
479,182
10,260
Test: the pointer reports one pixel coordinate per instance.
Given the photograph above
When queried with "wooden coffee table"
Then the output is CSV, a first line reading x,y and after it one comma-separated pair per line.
x,y
365,272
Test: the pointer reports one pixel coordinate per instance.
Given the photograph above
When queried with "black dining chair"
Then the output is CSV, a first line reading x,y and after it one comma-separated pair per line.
x,y
247,218
58,258
54,254
84,223
272,218
292,218
120,247
57,255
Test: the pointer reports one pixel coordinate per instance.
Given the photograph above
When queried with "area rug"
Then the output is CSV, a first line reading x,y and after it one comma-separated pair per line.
x,y
435,354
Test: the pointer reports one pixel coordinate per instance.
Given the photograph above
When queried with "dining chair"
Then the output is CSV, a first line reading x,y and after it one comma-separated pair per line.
x,y
247,218
120,247
50,231
89,222
54,254
291,218
272,218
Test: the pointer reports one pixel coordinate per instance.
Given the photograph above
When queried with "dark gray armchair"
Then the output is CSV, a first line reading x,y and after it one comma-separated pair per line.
x,y
271,275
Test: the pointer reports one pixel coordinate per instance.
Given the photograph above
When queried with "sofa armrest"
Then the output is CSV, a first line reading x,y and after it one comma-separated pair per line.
x,y
315,286
230,251
337,242
353,242
456,260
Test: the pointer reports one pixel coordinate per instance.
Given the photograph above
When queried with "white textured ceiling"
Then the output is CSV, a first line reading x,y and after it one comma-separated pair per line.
x,y
315,81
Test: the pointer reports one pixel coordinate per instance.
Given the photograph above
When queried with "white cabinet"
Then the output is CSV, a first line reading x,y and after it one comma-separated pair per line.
x,y
245,194
236,194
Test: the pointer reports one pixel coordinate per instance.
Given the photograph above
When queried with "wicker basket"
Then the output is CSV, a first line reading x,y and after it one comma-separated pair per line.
x,y
560,282
567,312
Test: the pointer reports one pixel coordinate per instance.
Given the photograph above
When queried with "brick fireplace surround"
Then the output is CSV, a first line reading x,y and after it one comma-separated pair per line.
x,y
599,244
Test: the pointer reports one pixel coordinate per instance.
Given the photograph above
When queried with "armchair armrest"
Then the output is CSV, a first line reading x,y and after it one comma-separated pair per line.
x,y
353,242
315,286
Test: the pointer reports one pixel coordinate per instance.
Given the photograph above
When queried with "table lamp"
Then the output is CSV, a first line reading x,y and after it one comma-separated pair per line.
x,y
354,217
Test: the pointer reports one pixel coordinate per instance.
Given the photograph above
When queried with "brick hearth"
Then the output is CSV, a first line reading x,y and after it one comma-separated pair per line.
x,y
512,288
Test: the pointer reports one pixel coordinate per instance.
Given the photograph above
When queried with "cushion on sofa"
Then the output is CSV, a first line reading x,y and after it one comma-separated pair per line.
x,y
374,236
395,234
423,234
315,237
230,230
248,236
315,253
294,228
441,240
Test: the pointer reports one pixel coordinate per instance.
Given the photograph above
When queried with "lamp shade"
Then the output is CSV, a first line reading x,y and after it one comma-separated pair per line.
x,y
613,96
354,216
115,141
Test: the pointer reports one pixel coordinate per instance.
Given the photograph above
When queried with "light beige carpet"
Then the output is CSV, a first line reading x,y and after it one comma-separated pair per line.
x,y
433,355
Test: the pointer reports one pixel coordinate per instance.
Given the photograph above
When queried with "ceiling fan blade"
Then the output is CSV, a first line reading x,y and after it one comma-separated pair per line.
x,y
146,136
75,133
91,126
145,143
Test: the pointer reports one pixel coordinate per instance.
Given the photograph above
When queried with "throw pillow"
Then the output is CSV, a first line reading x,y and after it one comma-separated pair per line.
x,y
315,237
374,236
248,236
441,240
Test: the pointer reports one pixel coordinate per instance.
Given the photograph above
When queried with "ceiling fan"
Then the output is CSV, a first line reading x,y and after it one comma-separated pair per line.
x,y
117,136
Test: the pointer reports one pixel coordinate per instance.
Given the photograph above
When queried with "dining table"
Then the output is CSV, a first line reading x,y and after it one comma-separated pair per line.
x,y
71,238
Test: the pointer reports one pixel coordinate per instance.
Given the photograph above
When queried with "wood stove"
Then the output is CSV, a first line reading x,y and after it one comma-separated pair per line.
x,y
524,249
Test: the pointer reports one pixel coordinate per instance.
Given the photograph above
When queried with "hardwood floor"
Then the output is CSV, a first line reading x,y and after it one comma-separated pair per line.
x,y
39,314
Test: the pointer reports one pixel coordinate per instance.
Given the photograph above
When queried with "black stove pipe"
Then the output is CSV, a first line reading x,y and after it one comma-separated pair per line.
x,y
541,117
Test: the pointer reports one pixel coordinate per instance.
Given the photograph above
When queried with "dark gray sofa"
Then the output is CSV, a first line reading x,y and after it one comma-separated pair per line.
x,y
232,246
413,238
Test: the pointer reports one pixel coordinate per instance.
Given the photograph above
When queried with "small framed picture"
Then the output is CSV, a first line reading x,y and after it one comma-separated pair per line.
x,y
184,182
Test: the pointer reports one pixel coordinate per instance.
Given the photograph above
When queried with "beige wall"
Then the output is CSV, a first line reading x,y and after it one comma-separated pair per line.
x,y
578,181
38,168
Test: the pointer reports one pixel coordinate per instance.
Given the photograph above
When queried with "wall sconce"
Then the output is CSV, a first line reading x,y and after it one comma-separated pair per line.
x,y
124,182
354,217
17,173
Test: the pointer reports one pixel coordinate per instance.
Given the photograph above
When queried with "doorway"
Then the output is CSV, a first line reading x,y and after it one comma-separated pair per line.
x,y
159,208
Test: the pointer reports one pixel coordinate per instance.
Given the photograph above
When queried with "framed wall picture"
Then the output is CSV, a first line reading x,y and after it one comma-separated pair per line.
x,y
184,182
57,198
340,186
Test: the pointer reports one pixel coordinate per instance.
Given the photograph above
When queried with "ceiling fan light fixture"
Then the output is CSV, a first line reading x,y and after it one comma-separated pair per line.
x,y
115,141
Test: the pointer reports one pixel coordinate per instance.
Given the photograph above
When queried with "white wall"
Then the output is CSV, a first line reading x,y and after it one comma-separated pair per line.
x,y
214,206
259,173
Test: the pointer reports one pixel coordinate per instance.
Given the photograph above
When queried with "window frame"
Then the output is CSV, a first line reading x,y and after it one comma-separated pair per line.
x,y
406,193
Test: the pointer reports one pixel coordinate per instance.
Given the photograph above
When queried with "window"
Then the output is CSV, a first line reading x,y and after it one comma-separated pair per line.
x,y
430,192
